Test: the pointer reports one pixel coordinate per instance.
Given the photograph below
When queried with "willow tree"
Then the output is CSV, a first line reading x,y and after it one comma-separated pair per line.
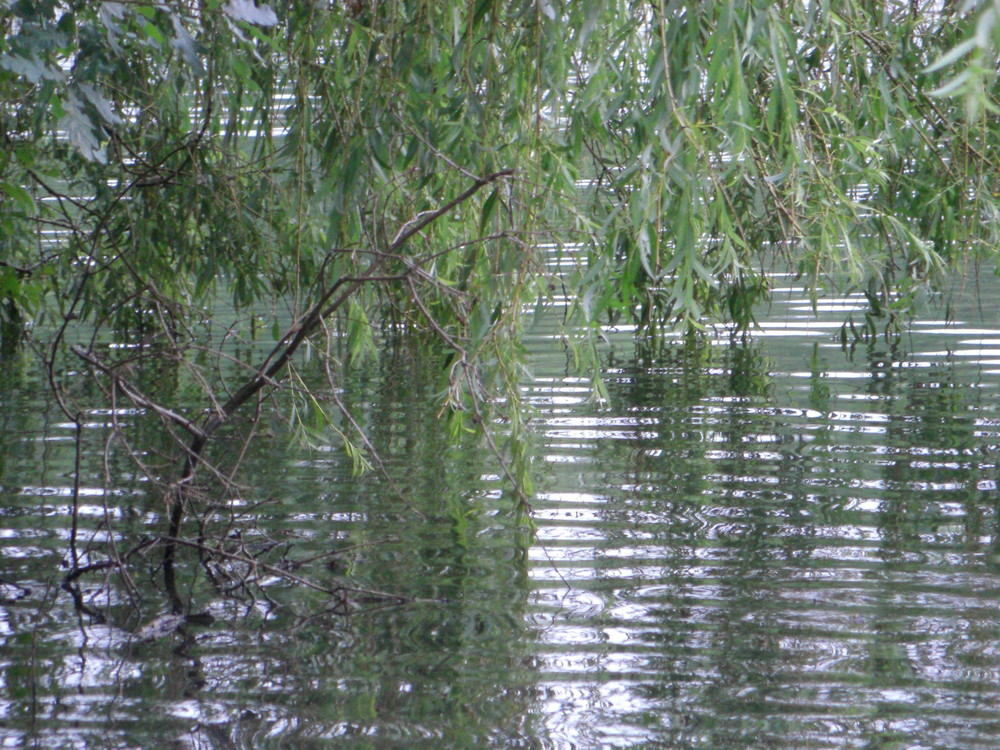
x,y
350,168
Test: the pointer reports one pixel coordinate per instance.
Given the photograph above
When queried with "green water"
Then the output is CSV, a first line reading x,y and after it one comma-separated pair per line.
x,y
777,544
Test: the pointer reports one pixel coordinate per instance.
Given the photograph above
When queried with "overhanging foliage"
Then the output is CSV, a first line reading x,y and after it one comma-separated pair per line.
x,y
679,146
358,166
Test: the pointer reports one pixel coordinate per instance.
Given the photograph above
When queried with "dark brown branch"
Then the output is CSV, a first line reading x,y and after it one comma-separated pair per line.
x,y
328,303
281,572
136,395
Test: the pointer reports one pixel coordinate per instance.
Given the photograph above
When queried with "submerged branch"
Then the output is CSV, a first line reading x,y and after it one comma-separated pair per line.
x,y
328,303
136,395
339,591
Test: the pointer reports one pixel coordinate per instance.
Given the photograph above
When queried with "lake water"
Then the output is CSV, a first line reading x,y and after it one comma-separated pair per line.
x,y
774,544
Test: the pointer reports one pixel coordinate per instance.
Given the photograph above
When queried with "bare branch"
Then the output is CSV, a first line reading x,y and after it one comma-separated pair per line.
x,y
136,395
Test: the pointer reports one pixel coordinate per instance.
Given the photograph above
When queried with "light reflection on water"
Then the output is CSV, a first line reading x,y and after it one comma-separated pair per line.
x,y
768,567
777,545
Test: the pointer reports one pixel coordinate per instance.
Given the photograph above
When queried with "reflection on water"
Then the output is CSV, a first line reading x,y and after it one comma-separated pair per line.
x,y
784,546
779,544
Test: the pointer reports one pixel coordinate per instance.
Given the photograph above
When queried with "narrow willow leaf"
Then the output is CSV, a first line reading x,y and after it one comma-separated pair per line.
x,y
246,10
489,207
482,8
985,27
19,194
957,52
953,85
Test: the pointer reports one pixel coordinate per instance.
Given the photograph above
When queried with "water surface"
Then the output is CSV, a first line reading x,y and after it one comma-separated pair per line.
x,y
774,543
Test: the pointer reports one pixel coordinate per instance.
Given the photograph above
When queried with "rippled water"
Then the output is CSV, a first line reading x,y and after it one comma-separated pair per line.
x,y
784,546
775,544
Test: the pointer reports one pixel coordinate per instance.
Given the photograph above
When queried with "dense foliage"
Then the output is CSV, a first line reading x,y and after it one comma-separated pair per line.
x,y
177,144
359,166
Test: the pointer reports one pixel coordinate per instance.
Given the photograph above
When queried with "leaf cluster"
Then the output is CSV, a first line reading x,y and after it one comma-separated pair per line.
x,y
163,161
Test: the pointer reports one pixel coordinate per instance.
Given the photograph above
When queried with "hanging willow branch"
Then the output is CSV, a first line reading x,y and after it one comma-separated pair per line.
x,y
329,302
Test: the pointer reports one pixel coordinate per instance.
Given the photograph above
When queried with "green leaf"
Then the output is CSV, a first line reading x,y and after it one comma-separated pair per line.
x,y
20,195
482,8
245,10
81,131
184,43
952,85
954,54
489,208
31,68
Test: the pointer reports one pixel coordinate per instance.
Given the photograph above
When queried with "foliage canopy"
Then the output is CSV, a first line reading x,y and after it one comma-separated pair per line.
x,y
369,165
672,148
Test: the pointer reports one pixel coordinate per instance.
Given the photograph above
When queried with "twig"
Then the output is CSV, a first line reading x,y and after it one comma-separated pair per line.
x,y
135,395
274,570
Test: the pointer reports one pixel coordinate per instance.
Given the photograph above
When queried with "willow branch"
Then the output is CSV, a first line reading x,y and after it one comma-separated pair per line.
x,y
135,395
328,303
